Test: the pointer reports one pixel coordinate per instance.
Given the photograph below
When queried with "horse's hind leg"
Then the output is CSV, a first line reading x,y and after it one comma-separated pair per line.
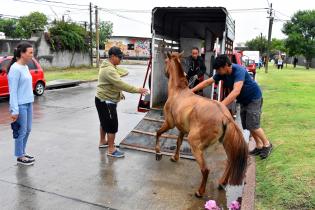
x,y
165,127
179,142
198,153
224,179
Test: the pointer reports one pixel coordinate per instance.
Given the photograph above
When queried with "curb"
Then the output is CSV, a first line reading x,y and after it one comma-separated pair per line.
x,y
55,84
248,195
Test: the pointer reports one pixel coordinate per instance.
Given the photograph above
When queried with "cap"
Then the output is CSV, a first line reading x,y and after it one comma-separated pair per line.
x,y
115,51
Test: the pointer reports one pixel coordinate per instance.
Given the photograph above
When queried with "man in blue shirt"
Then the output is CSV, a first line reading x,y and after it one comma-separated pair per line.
x,y
247,92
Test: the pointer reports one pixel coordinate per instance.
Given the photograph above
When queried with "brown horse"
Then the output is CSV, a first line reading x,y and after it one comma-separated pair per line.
x,y
206,122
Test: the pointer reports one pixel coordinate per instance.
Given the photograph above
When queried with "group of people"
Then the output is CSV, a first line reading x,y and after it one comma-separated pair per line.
x,y
109,92
279,62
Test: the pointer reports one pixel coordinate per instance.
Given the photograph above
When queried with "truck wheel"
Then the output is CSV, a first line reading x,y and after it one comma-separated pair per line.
x,y
39,88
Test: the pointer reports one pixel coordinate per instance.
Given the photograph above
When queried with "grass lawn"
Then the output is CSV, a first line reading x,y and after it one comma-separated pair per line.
x,y
79,73
83,73
286,180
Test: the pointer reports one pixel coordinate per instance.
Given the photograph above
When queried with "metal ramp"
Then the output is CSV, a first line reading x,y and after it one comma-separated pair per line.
x,y
143,136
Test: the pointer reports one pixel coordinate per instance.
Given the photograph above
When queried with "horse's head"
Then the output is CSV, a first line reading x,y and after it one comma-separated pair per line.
x,y
170,62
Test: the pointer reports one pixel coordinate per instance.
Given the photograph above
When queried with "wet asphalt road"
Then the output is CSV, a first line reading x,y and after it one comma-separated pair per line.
x,y
70,171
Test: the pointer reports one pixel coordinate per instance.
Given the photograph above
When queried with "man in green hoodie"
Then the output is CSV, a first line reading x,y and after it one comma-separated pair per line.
x,y
108,94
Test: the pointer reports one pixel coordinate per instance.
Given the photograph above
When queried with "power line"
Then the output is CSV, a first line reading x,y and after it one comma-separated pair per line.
x,y
114,12
283,14
248,9
131,11
121,16
59,2
280,19
149,11
30,2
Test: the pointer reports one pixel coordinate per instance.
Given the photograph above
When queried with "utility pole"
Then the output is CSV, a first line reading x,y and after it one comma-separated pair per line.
x,y
261,44
85,25
91,36
97,34
269,36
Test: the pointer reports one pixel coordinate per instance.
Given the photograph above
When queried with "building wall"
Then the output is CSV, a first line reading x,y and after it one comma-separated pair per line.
x,y
48,58
45,56
7,46
141,46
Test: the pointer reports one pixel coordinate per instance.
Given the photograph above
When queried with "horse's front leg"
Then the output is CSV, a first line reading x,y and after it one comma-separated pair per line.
x,y
165,127
179,142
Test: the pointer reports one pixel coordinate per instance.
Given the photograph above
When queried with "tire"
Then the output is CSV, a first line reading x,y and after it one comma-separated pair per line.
x,y
39,88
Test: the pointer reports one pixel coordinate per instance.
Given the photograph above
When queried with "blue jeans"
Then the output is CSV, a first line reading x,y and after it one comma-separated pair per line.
x,y
25,121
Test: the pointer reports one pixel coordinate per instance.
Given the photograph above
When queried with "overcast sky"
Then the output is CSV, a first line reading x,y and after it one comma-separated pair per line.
x,y
249,24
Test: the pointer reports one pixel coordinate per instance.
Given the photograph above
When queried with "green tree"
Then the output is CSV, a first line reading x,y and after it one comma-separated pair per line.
x,y
106,30
68,36
257,44
10,28
277,45
34,21
301,35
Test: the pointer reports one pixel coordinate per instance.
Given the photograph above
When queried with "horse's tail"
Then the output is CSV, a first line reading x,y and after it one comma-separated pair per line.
x,y
237,152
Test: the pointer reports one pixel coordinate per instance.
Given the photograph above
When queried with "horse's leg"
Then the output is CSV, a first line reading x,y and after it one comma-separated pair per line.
x,y
179,142
165,127
224,179
198,153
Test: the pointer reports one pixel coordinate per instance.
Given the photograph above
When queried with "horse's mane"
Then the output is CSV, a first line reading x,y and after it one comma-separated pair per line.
x,y
182,81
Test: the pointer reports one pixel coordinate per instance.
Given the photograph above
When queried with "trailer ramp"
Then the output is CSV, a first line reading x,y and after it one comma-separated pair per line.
x,y
143,136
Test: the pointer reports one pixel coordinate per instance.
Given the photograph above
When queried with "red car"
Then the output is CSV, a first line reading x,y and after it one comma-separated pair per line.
x,y
251,66
36,71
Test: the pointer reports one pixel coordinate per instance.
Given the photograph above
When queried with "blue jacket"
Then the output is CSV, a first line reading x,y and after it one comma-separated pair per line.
x,y
20,87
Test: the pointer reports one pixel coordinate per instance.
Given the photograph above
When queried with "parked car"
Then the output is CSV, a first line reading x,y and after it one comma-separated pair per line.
x,y
36,71
250,65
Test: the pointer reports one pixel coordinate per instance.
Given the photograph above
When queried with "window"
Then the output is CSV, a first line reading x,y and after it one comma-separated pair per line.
x,y
4,64
131,46
31,65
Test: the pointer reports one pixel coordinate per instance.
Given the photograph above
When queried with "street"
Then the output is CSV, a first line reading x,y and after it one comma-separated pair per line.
x,y
70,171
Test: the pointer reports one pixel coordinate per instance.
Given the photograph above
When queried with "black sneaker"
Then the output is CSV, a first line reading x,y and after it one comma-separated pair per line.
x,y
29,157
255,151
266,151
25,162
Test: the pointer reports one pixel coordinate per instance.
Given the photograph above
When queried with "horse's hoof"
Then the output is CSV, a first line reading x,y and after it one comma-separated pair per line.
x,y
197,194
158,156
221,187
173,159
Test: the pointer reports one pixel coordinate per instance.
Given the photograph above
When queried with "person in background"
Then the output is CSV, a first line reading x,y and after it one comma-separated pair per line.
x,y
295,61
108,94
280,63
196,69
21,100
